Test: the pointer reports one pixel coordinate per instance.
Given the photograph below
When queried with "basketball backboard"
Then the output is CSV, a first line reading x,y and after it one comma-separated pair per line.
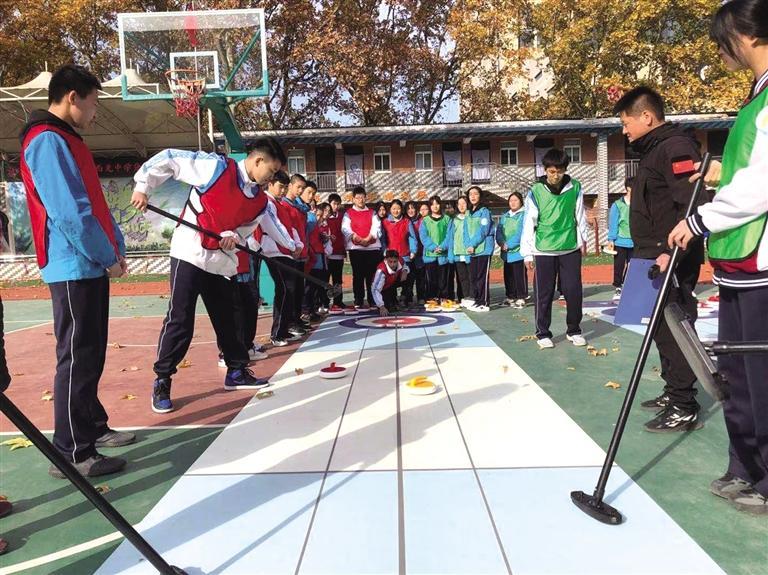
x,y
225,47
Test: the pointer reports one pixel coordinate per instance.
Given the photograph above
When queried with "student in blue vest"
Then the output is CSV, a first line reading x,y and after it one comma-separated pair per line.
x,y
79,248
479,240
619,237
459,255
554,232
435,234
508,235
226,197
735,222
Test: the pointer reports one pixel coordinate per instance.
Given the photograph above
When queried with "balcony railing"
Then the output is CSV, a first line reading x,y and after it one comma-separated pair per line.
x,y
448,182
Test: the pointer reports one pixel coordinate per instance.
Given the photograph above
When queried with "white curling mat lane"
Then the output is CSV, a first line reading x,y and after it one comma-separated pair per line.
x,y
470,474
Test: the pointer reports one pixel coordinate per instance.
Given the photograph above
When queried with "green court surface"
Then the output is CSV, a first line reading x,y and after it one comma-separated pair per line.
x,y
674,469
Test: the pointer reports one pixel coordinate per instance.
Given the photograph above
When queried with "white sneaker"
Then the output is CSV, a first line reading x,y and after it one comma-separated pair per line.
x,y
617,294
255,354
519,304
577,340
480,308
545,343
222,362
467,303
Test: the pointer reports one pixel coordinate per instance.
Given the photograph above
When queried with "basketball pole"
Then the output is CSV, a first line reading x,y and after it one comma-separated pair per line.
x,y
330,290
28,428
594,505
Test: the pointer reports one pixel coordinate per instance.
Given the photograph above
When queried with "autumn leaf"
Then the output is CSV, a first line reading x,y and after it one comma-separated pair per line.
x,y
47,396
132,368
128,396
613,385
184,363
505,368
103,488
569,368
526,338
18,374
298,371
264,394
17,443
116,345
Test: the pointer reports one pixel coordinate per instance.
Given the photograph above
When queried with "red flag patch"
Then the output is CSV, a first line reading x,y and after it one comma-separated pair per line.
x,y
683,166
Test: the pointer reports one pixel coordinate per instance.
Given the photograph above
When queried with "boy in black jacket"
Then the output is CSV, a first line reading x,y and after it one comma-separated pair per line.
x,y
661,195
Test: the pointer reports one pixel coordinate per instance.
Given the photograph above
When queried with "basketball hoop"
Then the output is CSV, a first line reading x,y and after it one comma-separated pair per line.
x,y
187,89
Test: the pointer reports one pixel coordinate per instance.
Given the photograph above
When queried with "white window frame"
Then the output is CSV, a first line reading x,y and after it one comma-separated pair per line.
x,y
573,144
297,162
423,151
506,146
380,153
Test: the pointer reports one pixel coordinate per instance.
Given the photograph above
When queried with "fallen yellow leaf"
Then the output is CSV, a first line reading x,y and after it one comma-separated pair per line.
x,y
47,396
591,348
116,345
298,371
441,333
17,443
265,394
185,363
571,368
20,373
505,368
128,396
615,349
526,338
103,489
132,368
613,385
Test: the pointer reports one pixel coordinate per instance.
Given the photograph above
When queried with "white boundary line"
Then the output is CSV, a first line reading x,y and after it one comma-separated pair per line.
x,y
63,554
140,428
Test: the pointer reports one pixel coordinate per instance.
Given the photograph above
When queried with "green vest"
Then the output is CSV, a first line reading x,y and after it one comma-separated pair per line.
x,y
511,225
740,243
557,226
459,249
437,230
623,219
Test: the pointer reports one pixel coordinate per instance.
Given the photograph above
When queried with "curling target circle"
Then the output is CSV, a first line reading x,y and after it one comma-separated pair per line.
x,y
399,321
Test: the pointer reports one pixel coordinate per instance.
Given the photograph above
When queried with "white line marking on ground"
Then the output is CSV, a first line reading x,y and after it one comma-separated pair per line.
x,y
63,554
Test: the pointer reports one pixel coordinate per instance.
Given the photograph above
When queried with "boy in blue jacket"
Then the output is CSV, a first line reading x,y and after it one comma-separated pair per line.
x,y
619,239
509,232
79,247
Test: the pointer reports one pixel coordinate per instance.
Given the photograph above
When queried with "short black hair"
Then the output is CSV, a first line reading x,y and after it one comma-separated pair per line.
x,y
410,203
392,254
517,195
745,17
357,190
556,158
639,100
465,198
629,182
281,178
398,202
322,205
312,184
298,178
334,196
268,147
68,78
434,199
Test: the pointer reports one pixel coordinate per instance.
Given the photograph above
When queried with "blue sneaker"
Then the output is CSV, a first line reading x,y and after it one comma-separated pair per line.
x,y
244,379
161,395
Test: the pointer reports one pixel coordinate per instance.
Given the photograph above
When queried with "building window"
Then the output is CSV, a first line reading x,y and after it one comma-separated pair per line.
x,y
423,157
573,149
296,162
509,153
382,159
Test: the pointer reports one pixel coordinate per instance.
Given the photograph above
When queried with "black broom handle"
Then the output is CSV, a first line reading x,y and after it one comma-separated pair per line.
x,y
645,347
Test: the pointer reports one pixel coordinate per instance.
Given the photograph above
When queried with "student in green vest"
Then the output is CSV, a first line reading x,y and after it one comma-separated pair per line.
x,y
738,250
435,233
619,238
479,239
509,232
458,253
554,232
449,209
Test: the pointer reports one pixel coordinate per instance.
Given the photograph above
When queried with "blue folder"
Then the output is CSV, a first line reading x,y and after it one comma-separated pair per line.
x,y
638,295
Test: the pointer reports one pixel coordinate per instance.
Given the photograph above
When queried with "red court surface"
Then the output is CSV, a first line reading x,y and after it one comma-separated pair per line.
x,y
198,391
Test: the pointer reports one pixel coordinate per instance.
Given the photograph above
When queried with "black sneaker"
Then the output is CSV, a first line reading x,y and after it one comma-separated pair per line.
x,y
279,342
750,500
244,379
161,395
728,485
112,438
657,403
297,331
673,419
92,467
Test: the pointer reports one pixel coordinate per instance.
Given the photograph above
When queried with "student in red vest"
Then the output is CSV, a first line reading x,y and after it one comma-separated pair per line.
x,y
79,247
226,197
317,264
338,251
362,230
282,244
390,274
400,235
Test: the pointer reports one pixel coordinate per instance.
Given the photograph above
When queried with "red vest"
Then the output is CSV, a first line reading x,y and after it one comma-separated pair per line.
x,y
389,278
397,236
337,236
361,221
37,214
284,214
316,245
299,219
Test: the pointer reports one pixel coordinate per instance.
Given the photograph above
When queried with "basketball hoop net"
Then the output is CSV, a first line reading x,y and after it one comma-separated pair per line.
x,y
187,89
